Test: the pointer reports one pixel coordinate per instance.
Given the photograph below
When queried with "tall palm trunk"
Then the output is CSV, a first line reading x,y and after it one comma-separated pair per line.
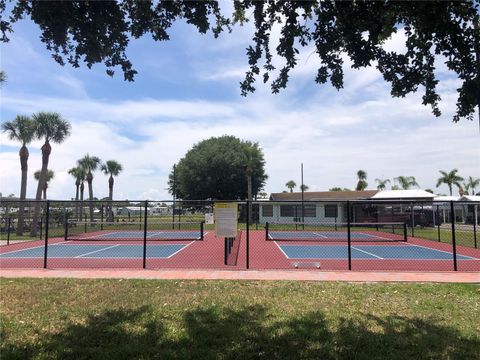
x,y
450,188
90,193
77,189
82,190
45,192
46,150
110,197
23,188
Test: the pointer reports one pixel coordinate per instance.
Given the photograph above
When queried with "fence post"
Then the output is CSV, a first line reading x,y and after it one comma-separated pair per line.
x,y
8,229
248,236
454,244
412,219
438,224
475,225
145,235
47,220
349,237
101,217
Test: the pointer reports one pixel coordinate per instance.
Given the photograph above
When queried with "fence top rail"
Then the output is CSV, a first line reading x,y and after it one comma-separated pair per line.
x,y
141,203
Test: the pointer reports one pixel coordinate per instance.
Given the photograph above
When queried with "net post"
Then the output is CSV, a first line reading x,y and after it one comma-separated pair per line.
x,y
248,237
202,230
8,229
405,232
349,236
454,244
225,253
145,235
47,220
266,230
66,229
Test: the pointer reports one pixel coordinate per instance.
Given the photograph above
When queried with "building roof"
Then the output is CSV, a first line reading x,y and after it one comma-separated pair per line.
x,y
324,195
470,198
446,198
403,194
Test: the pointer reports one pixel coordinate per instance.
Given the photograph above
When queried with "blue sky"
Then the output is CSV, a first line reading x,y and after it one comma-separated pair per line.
x,y
187,90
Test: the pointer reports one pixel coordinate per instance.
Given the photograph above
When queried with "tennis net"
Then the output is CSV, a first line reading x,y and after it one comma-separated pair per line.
x,y
359,232
117,231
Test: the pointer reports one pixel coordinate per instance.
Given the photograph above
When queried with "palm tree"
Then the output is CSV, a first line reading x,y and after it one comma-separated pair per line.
x,y
112,168
382,184
304,187
50,176
90,164
471,183
21,129
406,182
53,128
362,180
291,185
78,174
450,178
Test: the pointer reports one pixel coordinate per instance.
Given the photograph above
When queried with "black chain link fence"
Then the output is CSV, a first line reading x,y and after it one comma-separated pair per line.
x,y
327,235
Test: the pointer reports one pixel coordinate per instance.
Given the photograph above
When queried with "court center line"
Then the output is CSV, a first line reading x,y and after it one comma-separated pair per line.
x,y
93,252
366,252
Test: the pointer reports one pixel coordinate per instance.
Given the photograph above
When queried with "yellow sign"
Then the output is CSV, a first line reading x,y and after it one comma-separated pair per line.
x,y
226,215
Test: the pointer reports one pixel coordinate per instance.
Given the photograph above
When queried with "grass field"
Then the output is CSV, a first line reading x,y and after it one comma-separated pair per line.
x,y
135,319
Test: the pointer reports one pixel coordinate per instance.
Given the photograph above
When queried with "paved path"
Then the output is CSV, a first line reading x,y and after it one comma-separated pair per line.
x,y
348,276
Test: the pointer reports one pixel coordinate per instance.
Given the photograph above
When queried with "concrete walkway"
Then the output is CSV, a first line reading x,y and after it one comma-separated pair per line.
x,y
348,276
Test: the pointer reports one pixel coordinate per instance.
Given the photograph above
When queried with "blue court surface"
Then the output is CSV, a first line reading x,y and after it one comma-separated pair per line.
x,y
162,251
319,235
161,235
391,252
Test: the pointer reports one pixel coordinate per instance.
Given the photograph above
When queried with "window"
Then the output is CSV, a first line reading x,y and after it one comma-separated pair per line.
x,y
267,210
309,211
287,211
331,211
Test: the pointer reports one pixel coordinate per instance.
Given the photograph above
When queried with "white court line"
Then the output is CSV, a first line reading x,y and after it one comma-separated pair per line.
x,y
366,252
281,249
323,236
447,252
176,252
93,252
35,247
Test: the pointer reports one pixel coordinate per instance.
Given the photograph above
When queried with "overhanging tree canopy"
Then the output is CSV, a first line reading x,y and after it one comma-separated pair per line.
x,y
99,32
215,169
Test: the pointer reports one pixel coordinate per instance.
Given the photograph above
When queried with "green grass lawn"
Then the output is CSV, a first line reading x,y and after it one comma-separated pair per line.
x,y
135,319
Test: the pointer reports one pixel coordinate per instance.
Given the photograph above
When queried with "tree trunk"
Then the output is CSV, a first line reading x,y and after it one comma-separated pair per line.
x,y
110,197
450,188
45,193
90,193
23,188
46,150
82,190
77,189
